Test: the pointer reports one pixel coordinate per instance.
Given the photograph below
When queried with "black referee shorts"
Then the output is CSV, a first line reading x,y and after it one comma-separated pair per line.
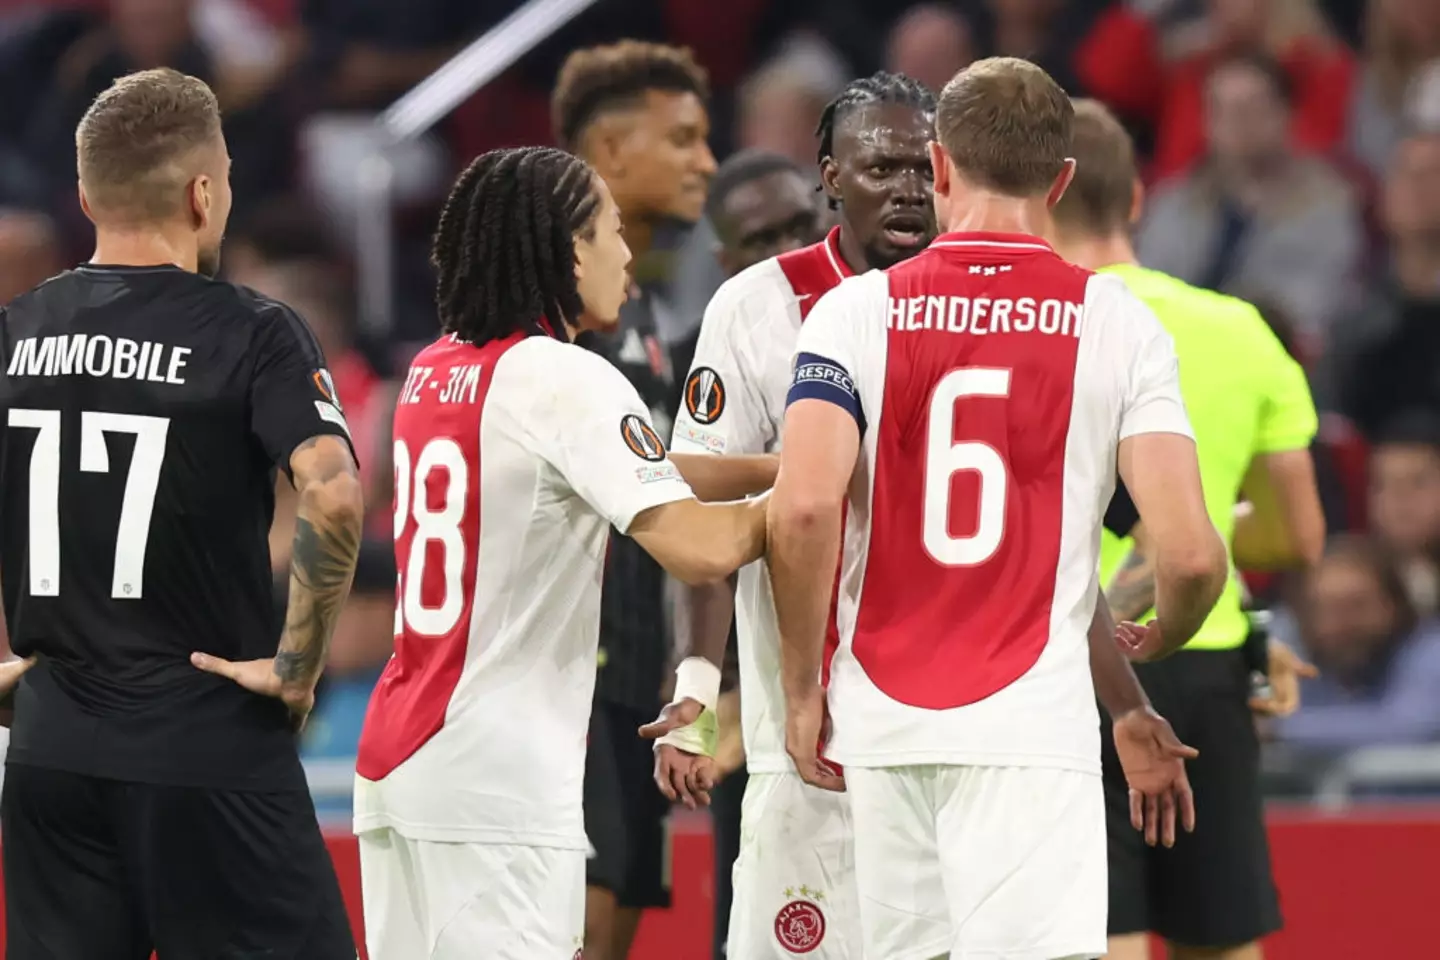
x,y
105,870
626,816
1214,887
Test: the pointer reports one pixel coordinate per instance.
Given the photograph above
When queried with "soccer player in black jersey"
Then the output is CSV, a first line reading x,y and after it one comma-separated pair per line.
x,y
154,798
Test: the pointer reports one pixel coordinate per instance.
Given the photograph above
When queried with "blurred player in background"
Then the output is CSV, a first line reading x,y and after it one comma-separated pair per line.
x,y
468,788
1249,404
966,410
794,884
149,805
761,205
636,112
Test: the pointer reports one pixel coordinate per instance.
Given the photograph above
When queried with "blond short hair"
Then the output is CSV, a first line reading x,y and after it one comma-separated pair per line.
x,y
1006,125
135,144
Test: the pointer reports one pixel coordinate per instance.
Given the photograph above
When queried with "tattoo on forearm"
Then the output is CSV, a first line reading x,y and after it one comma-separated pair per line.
x,y
1132,592
321,567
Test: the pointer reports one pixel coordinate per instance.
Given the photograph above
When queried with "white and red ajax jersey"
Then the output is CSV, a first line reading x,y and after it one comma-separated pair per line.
x,y
512,461
992,382
734,402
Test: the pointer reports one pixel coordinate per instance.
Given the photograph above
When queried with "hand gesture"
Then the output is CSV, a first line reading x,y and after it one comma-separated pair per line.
x,y
1153,759
684,775
259,676
805,727
1284,672
1141,644
672,717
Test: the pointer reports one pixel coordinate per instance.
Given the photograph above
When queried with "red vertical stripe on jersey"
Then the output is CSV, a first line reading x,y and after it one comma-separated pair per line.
x,y
413,695
814,271
939,636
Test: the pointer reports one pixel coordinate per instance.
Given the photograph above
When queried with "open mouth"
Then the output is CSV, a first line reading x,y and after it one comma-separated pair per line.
x,y
906,230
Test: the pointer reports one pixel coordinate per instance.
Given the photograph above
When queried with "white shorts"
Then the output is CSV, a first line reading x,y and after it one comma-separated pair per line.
x,y
445,901
985,863
794,880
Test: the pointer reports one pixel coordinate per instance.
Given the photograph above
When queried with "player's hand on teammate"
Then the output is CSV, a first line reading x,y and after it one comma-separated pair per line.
x,y
807,726
1153,759
1285,671
683,776
259,676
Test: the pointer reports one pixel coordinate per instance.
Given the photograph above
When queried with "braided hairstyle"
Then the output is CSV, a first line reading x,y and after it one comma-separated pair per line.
x,y
504,251
878,88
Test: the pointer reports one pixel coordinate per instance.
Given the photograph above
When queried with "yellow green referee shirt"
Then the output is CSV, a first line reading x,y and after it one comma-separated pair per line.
x,y
1245,396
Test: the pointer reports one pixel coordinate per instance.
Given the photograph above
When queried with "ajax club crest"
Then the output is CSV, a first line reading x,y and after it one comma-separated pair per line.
x,y
800,924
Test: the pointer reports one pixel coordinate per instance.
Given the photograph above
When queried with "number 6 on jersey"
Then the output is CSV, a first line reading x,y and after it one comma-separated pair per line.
x,y
944,458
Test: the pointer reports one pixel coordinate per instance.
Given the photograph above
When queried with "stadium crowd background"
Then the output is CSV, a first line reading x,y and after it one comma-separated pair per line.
x,y
1305,177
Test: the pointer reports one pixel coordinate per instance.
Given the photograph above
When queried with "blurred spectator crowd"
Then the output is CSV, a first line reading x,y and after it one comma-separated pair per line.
x,y
1292,157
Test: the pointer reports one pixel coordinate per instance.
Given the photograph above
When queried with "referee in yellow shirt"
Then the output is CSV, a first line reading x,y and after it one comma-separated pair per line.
x,y
1211,895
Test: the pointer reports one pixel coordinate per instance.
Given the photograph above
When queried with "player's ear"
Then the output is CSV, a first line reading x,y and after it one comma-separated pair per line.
x,y
1062,181
201,197
1137,201
605,145
581,250
940,168
829,179
84,201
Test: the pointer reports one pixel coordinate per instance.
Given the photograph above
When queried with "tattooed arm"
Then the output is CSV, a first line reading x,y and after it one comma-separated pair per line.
x,y
322,560
330,507
1132,589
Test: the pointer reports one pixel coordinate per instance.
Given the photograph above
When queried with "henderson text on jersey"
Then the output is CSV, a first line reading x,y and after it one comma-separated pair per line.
x,y
979,316
96,355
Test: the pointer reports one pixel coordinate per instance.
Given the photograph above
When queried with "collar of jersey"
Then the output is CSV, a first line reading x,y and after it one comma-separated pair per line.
x,y
832,250
1003,241
131,267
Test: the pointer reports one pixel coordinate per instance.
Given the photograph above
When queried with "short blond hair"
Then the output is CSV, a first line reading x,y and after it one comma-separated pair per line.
x,y
135,143
1006,125
1099,199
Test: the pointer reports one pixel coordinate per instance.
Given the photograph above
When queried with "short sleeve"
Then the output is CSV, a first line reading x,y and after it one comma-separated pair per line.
x,y
1288,420
292,397
829,354
1144,353
596,433
722,408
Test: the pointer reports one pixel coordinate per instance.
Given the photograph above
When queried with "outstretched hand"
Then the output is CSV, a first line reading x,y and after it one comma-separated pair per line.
x,y
1153,759
684,775
672,717
259,676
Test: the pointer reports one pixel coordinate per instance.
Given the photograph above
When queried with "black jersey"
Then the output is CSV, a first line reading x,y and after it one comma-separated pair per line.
x,y
145,411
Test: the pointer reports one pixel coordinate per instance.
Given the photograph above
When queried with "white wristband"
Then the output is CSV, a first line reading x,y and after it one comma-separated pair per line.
x,y
697,679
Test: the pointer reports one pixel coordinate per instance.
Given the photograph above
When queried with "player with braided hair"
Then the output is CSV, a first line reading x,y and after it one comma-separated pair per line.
x,y
515,453
504,266
794,889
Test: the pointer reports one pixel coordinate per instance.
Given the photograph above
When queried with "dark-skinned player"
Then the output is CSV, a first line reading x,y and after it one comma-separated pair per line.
x,y
793,880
